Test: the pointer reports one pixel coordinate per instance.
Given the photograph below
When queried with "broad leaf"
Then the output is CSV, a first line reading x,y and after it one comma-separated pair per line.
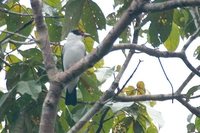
x,y
93,19
152,129
73,12
20,21
160,27
173,40
29,87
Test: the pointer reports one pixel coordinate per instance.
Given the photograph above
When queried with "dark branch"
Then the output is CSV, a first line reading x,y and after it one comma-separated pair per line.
x,y
187,80
155,7
149,51
166,77
192,37
192,109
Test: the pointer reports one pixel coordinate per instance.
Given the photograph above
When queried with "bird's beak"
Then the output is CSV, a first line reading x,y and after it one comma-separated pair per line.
x,y
86,35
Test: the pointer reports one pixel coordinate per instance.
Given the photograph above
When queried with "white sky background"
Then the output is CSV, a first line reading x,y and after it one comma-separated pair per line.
x,y
174,115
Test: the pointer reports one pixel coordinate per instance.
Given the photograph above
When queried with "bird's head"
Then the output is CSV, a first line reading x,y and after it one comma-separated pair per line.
x,y
77,34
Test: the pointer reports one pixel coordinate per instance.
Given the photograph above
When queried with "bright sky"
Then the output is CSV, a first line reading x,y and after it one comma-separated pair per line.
x,y
174,115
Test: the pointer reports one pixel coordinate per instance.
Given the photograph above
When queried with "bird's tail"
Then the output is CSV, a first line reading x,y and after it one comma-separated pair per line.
x,y
71,98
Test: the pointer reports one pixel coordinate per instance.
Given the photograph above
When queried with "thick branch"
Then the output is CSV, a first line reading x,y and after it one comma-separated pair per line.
x,y
153,7
187,80
49,109
159,97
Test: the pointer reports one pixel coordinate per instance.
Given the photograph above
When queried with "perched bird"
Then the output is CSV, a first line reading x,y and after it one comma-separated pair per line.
x,y
73,51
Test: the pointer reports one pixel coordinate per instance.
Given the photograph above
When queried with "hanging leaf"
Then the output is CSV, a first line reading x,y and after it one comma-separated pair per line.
x,y
93,19
12,59
73,12
173,40
160,27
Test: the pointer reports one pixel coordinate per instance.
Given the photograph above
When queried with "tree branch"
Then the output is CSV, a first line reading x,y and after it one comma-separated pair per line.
x,y
192,109
187,80
149,51
49,109
157,53
17,30
158,97
192,37
161,6
162,67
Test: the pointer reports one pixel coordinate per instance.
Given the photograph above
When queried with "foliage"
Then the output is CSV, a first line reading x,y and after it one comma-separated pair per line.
x,y
27,81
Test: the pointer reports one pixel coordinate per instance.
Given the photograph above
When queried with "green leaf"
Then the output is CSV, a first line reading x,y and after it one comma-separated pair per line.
x,y
173,40
53,3
6,100
181,17
97,21
54,29
89,86
78,112
89,43
197,53
111,19
152,129
125,36
29,87
12,59
192,90
160,27
20,21
197,124
32,54
73,12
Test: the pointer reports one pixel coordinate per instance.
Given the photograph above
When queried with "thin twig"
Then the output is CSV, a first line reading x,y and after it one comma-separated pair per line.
x,y
6,63
189,65
25,14
166,77
19,29
16,34
102,120
20,42
191,39
187,80
129,77
194,97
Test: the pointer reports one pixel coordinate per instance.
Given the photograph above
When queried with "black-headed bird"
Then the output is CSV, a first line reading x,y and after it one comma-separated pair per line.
x,y
73,51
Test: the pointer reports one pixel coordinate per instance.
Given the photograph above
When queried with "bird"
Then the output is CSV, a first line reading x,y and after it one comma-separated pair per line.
x,y
73,51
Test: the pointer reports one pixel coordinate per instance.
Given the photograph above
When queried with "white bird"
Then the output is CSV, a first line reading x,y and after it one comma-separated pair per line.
x,y
73,51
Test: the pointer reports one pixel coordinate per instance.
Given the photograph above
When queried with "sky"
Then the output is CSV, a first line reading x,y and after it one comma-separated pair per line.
x,y
174,114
